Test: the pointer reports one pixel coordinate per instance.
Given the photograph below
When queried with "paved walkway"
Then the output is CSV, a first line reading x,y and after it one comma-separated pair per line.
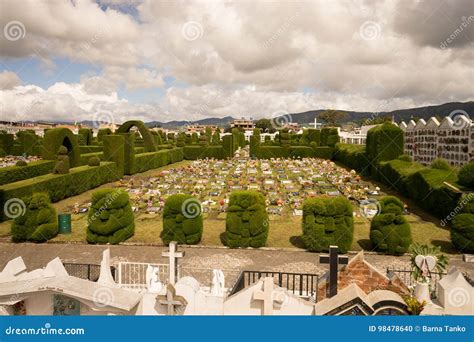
x,y
38,255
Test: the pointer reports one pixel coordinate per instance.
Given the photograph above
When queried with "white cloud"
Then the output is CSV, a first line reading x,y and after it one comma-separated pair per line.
x,y
9,80
248,58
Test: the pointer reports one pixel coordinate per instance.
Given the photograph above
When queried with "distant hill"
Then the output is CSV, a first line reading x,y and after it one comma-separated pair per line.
x,y
399,115
308,117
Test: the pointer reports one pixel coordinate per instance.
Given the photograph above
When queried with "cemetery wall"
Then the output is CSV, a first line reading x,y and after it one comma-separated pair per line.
x,y
12,174
60,186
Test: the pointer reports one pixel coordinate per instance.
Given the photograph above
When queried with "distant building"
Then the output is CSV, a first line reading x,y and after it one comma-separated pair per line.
x,y
292,126
450,140
245,124
357,136
200,128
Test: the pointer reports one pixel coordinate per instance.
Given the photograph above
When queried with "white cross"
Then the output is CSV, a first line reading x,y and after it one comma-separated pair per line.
x,y
171,299
173,256
267,296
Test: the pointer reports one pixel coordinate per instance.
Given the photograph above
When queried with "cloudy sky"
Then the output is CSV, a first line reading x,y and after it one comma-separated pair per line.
x,y
166,60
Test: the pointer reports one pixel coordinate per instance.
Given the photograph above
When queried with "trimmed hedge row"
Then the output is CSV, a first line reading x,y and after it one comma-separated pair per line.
x,y
57,137
114,151
12,174
182,220
267,152
389,230
7,142
327,221
352,156
227,141
153,160
149,141
329,136
200,152
247,220
39,222
424,185
60,186
86,156
110,218
91,149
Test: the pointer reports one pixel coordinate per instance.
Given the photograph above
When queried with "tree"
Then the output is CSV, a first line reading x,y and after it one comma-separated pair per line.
x,y
264,124
332,116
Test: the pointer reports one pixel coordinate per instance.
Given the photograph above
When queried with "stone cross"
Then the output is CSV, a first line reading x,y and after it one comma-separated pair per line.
x,y
333,260
173,256
266,296
170,299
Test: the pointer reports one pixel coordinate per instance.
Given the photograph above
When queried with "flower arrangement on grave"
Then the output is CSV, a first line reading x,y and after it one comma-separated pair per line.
x,y
110,217
327,221
37,220
389,230
421,265
247,221
182,220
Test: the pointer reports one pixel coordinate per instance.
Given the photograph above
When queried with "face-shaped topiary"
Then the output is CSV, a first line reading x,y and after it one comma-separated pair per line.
x,y
111,217
247,220
38,223
389,230
327,221
182,220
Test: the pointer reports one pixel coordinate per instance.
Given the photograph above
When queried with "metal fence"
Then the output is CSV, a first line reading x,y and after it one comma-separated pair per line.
x,y
133,274
86,271
301,284
405,275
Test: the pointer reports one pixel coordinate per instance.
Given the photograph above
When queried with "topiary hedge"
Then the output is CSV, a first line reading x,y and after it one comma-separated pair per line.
x,y
78,180
314,135
389,230
285,140
103,132
247,221
29,143
329,136
440,164
198,152
466,175
352,156
149,141
327,221
152,160
182,220
12,174
7,142
462,228
38,221
57,137
87,135
62,164
110,217
227,146
114,150
384,142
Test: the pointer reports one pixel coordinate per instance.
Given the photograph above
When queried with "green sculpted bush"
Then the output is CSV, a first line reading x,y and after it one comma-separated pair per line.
x,y
285,140
329,136
38,222
110,218
57,137
2,153
327,221
462,230
86,133
182,220
466,175
62,164
103,132
390,231
440,164
94,161
314,136
203,140
247,220
405,157
21,163
149,141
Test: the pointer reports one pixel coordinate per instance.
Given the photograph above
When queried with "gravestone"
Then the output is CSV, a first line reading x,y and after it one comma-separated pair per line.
x,y
171,300
173,256
333,260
